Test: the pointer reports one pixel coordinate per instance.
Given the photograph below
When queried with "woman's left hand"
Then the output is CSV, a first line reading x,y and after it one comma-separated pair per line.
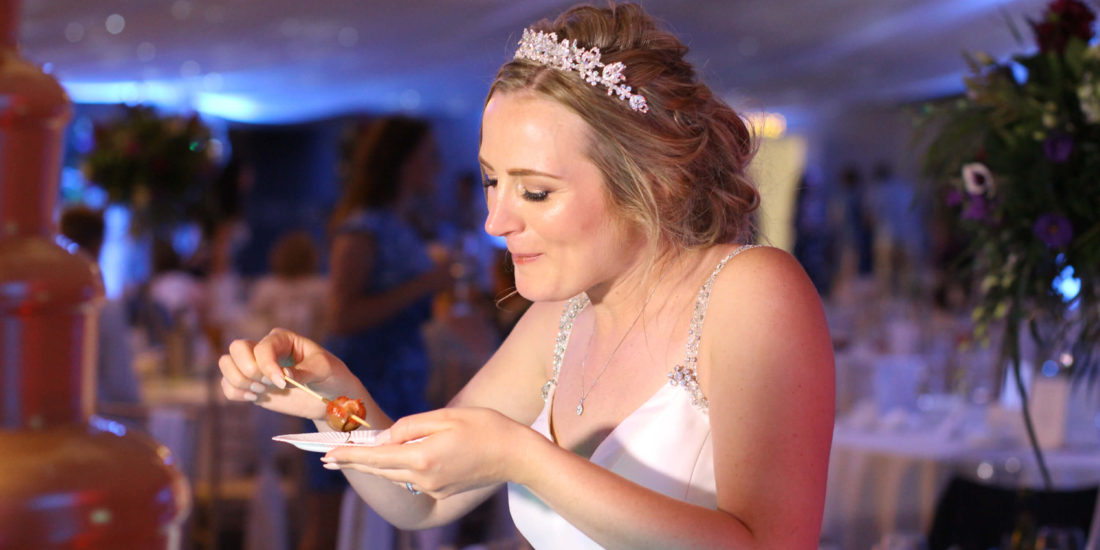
x,y
443,452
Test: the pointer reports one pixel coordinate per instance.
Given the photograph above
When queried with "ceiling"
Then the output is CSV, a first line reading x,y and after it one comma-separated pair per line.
x,y
291,60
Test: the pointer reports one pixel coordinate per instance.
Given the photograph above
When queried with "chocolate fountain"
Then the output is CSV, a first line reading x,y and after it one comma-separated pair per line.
x,y
67,479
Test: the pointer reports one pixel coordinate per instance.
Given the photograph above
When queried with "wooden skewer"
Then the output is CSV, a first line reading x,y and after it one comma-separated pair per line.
x,y
303,387
306,389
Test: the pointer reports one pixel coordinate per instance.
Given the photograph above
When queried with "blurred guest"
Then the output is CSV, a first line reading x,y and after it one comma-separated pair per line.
x,y
382,280
294,295
224,233
169,308
474,250
116,381
460,337
813,240
899,228
851,218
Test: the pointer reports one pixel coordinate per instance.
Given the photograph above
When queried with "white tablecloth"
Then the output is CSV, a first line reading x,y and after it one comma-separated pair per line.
x,y
882,483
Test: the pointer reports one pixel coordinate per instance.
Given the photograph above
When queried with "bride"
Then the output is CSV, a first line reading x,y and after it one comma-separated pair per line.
x,y
670,387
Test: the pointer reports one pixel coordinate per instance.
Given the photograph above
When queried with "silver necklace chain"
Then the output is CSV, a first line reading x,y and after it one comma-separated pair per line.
x,y
588,348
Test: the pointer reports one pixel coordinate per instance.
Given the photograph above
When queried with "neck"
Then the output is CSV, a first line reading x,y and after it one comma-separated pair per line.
x,y
673,278
650,279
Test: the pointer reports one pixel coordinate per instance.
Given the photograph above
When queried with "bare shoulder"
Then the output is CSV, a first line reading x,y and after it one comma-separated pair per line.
x,y
765,313
762,284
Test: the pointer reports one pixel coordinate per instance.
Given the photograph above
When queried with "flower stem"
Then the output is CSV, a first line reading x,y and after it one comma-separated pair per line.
x,y
1012,345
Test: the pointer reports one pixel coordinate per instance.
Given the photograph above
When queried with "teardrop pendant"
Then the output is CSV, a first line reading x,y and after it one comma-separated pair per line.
x,y
580,408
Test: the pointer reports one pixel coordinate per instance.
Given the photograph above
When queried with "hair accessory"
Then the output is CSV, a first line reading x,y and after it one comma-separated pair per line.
x,y
544,48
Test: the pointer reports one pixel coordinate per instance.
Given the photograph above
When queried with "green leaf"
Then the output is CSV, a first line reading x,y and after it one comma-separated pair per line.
x,y
1075,61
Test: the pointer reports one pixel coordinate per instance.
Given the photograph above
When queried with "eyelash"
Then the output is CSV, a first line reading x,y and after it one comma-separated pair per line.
x,y
487,182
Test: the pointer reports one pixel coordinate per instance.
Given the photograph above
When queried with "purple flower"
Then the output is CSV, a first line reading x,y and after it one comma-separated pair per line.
x,y
954,197
1054,230
1058,147
976,209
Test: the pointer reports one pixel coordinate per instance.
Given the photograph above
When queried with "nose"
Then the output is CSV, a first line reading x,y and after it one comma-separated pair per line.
x,y
503,218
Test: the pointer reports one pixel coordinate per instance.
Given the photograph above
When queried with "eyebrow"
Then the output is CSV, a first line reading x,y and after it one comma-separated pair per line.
x,y
521,171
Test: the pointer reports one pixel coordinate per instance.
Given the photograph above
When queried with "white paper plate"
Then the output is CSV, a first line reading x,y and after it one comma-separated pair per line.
x,y
323,442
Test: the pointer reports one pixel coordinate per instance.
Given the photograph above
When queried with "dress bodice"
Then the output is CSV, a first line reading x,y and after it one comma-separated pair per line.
x,y
664,445
390,357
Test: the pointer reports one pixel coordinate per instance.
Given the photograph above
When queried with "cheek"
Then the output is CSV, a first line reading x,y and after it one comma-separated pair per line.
x,y
576,222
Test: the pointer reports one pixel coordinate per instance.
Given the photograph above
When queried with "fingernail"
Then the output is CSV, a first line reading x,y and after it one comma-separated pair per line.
x,y
280,381
250,396
265,380
257,387
326,458
330,466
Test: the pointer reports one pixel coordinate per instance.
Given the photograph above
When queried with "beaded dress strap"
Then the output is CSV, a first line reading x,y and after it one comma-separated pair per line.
x,y
685,374
565,328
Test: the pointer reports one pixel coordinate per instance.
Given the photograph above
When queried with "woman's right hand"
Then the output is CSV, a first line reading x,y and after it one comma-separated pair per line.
x,y
252,371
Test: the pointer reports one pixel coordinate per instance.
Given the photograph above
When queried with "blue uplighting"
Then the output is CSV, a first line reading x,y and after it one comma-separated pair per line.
x,y
1019,72
228,107
1067,285
109,426
158,93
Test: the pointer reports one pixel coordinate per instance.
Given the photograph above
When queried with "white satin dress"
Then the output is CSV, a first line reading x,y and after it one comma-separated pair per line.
x,y
664,445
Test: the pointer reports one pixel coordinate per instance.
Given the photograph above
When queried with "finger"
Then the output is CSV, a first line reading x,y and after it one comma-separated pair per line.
x,y
396,476
243,355
419,426
236,394
379,459
231,374
277,345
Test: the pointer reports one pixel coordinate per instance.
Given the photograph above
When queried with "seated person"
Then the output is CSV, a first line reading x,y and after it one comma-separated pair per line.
x,y
116,381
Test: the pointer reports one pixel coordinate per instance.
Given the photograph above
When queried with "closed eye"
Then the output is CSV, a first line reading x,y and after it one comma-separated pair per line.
x,y
535,196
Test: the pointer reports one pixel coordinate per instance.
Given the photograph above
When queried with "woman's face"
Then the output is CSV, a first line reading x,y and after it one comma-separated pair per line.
x,y
547,199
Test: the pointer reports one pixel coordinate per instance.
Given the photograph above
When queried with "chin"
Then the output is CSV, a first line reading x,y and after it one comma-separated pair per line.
x,y
536,293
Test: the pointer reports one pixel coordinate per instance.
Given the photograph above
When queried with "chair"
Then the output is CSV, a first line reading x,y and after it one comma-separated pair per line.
x,y
974,516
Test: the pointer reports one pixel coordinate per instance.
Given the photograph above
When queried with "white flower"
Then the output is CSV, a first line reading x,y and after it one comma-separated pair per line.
x,y
1088,94
1093,53
978,180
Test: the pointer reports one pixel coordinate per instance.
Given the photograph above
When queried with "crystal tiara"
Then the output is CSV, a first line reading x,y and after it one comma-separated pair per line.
x,y
545,49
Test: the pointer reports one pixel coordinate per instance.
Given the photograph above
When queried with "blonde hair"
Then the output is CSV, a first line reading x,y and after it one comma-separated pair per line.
x,y
678,171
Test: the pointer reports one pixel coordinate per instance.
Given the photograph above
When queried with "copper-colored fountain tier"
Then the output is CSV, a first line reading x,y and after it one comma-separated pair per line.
x,y
68,480
88,486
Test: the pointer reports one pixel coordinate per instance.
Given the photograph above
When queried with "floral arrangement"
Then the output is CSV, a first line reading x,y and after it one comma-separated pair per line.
x,y
150,162
1017,162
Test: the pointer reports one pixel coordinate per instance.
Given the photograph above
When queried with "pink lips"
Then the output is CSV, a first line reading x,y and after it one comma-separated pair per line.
x,y
521,259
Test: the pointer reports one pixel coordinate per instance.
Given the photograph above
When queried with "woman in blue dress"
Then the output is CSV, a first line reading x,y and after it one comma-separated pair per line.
x,y
383,276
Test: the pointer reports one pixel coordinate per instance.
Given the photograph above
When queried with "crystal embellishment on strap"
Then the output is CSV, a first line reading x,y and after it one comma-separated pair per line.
x,y
565,328
685,375
544,48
